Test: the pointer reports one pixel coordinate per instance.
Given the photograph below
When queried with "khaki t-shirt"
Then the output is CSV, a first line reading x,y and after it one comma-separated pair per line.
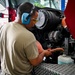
x,y
17,47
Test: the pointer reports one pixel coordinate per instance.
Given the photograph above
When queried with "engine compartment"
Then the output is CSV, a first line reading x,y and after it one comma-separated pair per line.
x,y
51,34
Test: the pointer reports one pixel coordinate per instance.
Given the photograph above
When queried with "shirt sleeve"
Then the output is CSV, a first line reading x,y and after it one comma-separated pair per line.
x,y
26,44
32,51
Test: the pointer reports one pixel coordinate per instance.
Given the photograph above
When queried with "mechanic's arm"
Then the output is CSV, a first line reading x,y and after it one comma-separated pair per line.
x,y
43,53
40,57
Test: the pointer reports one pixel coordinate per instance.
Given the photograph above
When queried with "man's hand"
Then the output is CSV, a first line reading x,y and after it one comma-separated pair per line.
x,y
57,49
47,52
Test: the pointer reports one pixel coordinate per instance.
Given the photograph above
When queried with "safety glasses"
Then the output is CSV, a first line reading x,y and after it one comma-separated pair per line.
x,y
35,20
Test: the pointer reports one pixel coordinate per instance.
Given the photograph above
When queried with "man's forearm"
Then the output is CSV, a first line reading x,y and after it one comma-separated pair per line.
x,y
38,60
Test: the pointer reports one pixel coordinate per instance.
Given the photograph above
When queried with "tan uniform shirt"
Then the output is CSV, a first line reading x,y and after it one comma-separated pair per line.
x,y
17,45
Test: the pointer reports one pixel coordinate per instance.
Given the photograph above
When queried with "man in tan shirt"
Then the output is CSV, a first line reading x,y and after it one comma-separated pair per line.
x,y
19,52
